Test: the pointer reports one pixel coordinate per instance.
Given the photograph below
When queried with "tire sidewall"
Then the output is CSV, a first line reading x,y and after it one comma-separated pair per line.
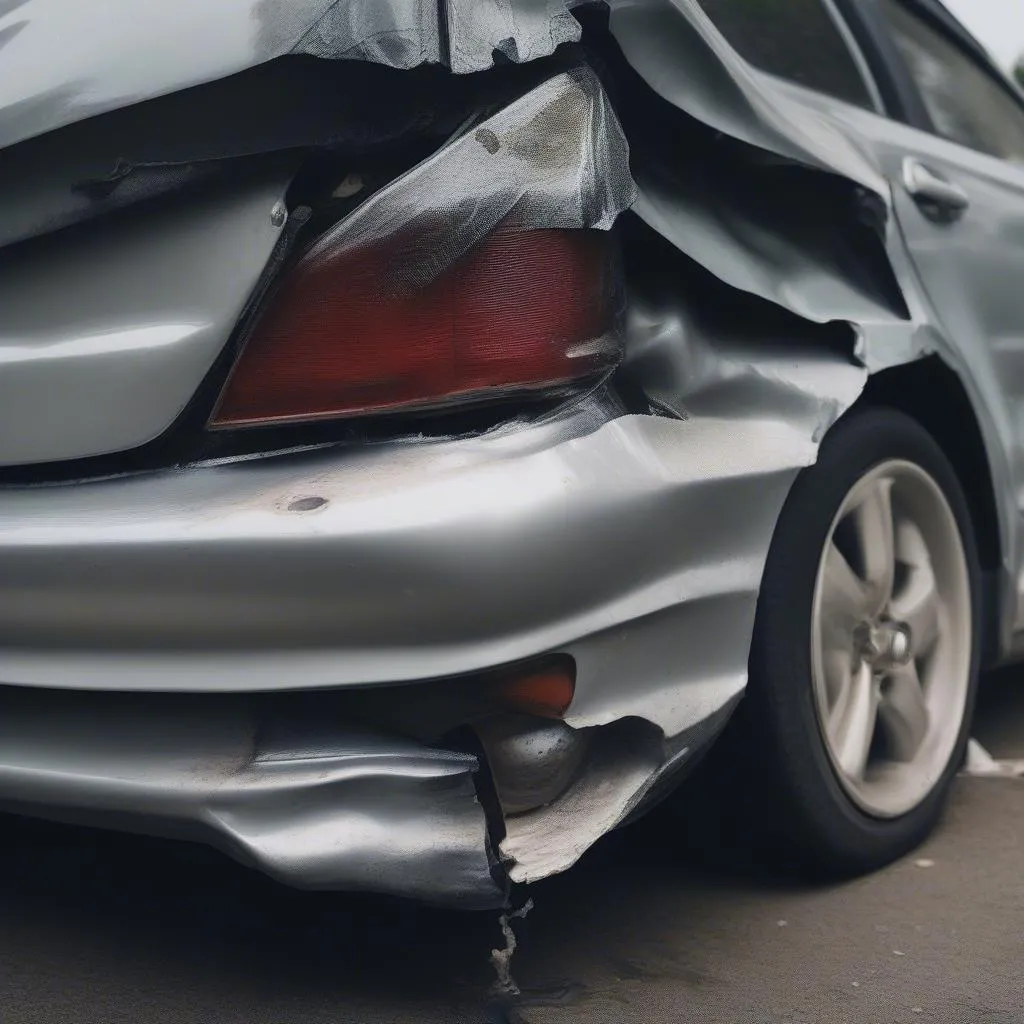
x,y
781,674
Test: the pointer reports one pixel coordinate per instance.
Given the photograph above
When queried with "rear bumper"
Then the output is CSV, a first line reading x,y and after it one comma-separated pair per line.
x,y
592,536
632,544
315,805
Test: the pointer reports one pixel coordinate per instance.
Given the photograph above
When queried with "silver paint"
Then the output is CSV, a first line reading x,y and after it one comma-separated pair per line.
x,y
343,808
634,543
201,579
106,332
120,58
962,287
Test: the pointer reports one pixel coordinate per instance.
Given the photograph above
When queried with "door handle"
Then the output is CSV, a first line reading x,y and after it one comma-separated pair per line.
x,y
938,198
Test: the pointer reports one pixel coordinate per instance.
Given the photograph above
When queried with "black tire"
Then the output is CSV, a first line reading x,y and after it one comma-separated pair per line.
x,y
772,762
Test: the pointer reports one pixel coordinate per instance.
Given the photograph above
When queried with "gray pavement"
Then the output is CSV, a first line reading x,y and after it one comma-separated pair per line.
x,y
107,928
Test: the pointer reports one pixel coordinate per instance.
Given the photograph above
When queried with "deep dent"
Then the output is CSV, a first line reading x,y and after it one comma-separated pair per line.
x,y
749,399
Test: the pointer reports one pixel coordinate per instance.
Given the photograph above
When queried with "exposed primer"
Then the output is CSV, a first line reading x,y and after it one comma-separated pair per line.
x,y
542,842
501,959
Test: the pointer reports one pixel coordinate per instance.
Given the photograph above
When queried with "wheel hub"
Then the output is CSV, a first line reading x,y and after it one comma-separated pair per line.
x,y
884,645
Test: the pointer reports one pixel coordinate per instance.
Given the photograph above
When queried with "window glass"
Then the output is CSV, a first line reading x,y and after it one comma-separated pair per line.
x,y
965,103
794,39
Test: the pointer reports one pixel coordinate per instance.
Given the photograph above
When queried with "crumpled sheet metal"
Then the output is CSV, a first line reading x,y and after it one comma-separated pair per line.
x,y
556,158
407,33
128,59
825,253
699,366
678,51
629,763
681,511
760,248
622,766
303,603
671,44
318,805
749,412
761,232
120,58
521,31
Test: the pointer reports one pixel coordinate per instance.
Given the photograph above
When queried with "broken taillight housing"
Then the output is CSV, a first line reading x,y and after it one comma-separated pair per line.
x,y
385,326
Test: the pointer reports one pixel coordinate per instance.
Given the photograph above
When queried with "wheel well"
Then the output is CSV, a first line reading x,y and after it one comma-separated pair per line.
x,y
933,395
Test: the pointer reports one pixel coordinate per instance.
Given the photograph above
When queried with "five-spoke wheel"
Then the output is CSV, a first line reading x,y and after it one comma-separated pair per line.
x,y
864,661
891,641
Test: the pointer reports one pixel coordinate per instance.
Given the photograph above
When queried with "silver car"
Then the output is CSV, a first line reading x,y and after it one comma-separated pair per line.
x,y
421,424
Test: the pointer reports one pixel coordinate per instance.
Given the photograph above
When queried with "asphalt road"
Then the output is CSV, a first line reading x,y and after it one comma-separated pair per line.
x,y
109,928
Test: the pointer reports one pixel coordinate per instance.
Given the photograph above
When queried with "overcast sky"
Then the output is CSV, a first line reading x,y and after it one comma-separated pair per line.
x,y
999,24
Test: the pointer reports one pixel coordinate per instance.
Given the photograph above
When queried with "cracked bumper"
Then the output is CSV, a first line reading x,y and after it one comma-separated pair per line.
x,y
633,544
313,804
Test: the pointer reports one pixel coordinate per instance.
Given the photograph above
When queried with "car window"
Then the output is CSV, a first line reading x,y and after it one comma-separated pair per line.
x,y
794,39
965,104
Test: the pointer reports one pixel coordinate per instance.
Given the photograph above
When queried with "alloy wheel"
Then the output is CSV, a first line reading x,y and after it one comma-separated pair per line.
x,y
891,638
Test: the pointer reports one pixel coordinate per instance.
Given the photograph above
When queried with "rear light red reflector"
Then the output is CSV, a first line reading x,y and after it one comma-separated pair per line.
x,y
345,335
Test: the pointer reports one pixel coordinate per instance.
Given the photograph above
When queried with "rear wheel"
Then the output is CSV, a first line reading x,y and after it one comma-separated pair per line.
x,y
864,662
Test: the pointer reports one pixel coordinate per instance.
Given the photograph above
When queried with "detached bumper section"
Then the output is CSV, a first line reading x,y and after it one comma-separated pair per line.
x,y
316,805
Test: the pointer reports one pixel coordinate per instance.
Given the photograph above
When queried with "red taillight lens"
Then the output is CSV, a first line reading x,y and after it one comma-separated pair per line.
x,y
522,310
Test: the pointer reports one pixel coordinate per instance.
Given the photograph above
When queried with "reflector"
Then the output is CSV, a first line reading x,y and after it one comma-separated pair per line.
x,y
546,692
345,334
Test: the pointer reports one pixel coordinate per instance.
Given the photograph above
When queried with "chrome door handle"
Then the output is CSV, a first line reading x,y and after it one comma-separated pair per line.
x,y
938,198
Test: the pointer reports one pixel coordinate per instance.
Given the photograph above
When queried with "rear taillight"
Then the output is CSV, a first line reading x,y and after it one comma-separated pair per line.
x,y
348,333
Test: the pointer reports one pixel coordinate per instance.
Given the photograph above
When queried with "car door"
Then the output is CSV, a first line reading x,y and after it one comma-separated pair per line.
x,y
952,147
901,80
958,187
